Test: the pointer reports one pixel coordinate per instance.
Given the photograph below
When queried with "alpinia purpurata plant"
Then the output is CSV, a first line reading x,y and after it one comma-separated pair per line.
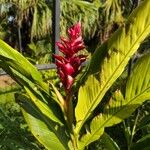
x,y
52,118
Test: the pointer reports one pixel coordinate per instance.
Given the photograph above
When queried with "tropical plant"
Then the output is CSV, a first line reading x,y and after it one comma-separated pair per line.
x,y
12,126
74,10
136,128
22,11
35,17
132,133
60,120
31,24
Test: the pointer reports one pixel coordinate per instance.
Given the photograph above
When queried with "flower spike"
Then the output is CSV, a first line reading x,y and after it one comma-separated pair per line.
x,y
68,65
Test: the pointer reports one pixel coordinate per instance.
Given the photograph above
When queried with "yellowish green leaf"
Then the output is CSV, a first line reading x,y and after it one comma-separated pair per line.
x,y
109,61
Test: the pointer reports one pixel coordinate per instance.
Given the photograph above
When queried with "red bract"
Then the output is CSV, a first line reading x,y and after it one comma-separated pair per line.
x,y
68,65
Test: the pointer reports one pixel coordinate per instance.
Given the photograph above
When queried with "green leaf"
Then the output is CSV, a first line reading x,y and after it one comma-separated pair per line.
x,y
99,122
85,98
109,61
144,122
108,142
49,133
11,59
30,79
137,91
43,107
92,134
138,84
143,143
119,108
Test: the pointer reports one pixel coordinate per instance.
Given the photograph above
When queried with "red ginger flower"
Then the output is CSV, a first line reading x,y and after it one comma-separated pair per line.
x,y
68,66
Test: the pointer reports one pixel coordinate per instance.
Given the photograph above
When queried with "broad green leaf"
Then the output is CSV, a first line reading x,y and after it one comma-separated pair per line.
x,y
50,134
138,85
119,108
85,97
28,77
92,134
109,61
137,91
38,98
13,59
43,107
99,122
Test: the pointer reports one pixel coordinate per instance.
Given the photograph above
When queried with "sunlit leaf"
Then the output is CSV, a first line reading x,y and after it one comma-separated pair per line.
x,y
50,134
11,59
119,108
109,61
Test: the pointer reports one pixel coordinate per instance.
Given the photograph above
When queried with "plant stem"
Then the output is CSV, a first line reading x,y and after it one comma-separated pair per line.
x,y
133,130
69,111
74,142
69,118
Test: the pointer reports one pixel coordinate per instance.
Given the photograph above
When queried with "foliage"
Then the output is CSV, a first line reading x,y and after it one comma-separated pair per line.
x,y
40,52
12,126
74,10
133,132
136,128
27,25
44,107
39,10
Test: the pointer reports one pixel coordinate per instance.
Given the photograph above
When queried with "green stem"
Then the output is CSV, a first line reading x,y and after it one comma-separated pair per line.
x,y
69,111
74,142
133,130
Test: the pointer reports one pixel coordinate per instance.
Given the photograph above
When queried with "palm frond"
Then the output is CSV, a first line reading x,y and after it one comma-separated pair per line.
x,y
77,10
41,24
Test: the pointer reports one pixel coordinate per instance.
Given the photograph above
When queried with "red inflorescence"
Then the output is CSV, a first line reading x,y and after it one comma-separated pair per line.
x,y
68,65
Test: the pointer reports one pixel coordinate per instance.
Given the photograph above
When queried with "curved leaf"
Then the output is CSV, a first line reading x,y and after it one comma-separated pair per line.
x,y
50,134
138,84
109,61
28,77
43,107
99,122
11,59
137,91
109,143
93,134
